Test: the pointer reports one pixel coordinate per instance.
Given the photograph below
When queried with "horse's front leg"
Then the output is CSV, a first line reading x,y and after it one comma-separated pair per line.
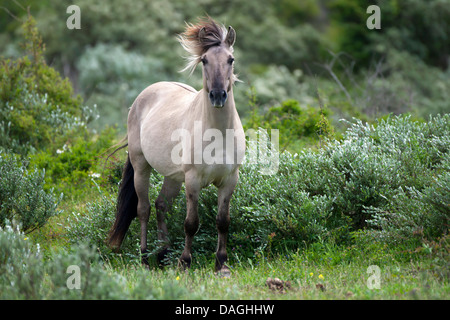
x,y
225,193
191,223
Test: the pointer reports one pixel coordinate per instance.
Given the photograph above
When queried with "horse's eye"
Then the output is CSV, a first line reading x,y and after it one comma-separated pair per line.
x,y
204,61
230,60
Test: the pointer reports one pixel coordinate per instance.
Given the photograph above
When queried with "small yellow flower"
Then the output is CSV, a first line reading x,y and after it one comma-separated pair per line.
x,y
25,239
311,274
178,278
320,277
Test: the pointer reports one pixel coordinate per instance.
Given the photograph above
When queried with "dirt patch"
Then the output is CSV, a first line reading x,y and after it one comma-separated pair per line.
x,y
320,287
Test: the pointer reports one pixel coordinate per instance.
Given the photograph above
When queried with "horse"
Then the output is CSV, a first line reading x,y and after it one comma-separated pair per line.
x,y
167,110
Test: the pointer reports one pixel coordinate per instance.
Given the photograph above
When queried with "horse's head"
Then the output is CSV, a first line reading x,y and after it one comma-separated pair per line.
x,y
212,45
218,70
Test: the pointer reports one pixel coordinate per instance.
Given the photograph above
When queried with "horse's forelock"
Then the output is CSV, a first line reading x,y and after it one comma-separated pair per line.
x,y
207,33
199,38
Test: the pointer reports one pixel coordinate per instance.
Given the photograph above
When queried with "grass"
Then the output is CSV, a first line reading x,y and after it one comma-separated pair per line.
x,y
321,271
342,273
318,271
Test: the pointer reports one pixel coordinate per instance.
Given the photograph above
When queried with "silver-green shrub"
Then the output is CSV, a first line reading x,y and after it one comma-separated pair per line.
x,y
23,198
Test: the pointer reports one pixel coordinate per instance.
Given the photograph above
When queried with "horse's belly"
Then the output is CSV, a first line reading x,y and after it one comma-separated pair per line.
x,y
214,173
159,157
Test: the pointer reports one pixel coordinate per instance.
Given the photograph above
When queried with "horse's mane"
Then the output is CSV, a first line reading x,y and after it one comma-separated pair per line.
x,y
196,43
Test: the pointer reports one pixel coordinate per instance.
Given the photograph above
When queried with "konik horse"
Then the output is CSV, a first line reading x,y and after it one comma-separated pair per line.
x,y
166,108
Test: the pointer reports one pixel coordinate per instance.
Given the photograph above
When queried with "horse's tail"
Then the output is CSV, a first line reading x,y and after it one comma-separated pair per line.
x,y
126,207
118,146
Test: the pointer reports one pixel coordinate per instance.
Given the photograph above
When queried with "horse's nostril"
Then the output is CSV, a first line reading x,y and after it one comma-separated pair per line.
x,y
224,94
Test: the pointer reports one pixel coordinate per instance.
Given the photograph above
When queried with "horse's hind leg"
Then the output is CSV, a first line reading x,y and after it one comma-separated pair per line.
x,y
142,172
169,191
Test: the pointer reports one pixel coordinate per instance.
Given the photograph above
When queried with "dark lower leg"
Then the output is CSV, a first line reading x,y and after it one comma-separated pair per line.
x,y
143,215
190,228
141,182
222,222
169,191
190,224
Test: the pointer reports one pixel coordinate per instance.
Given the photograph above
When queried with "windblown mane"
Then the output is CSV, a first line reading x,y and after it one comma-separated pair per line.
x,y
196,45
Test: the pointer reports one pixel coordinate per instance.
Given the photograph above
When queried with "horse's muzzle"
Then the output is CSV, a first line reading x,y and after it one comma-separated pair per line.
x,y
218,98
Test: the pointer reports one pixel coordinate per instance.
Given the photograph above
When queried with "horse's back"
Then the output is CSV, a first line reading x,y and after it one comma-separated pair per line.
x,y
168,96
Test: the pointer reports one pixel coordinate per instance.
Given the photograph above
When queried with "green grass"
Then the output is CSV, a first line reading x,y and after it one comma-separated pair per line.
x,y
340,273
320,270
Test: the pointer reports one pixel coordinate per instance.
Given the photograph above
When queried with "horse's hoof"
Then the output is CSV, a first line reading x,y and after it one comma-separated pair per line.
x,y
163,257
144,259
184,263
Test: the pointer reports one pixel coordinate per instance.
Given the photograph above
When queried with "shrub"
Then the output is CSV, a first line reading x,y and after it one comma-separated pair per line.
x,y
23,199
94,223
414,215
20,271
40,117
25,274
390,178
298,125
71,164
36,104
326,194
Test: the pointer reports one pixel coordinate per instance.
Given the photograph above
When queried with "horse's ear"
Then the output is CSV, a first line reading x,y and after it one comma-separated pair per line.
x,y
231,37
202,34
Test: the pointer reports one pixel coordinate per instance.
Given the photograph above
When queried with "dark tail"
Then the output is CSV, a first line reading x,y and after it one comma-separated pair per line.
x,y
118,146
127,202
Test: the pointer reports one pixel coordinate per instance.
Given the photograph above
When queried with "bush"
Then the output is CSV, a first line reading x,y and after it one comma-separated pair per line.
x,y
72,164
113,77
414,215
298,126
36,105
94,223
23,199
327,194
42,119
390,178
20,271
24,274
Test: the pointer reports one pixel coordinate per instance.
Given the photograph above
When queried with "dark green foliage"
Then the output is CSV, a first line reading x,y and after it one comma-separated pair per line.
x,y
72,165
298,126
414,26
36,105
42,120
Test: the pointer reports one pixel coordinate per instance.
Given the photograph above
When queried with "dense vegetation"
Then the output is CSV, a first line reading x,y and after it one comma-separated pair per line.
x,y
285,50
374,187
